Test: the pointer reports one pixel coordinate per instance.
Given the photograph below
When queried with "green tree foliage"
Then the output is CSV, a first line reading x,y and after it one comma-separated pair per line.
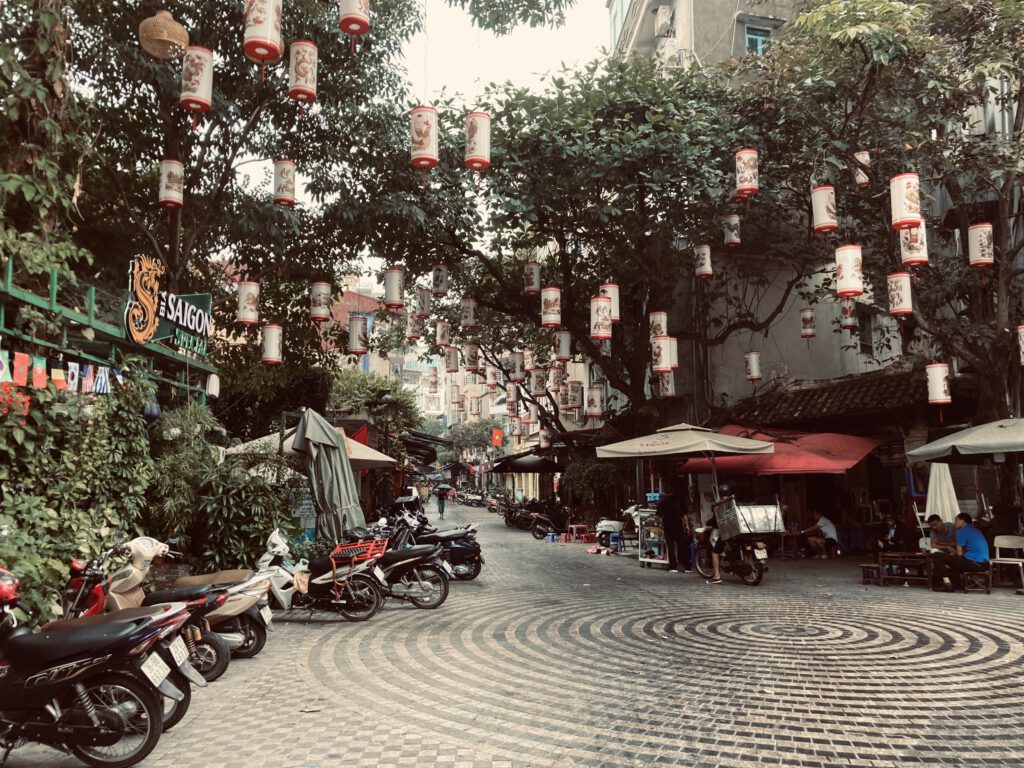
x,y
355,392
470,436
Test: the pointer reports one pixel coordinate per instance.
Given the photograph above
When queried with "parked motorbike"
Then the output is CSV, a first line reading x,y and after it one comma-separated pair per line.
x,y
521,515
92,691
555,518
606,527
245,618
460,547
417,573
745,555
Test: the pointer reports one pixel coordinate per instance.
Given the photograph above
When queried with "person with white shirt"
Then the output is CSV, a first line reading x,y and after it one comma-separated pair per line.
x,y
822,536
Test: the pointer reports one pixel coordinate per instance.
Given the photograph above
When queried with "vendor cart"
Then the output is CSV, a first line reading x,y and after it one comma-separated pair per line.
x,y
651,538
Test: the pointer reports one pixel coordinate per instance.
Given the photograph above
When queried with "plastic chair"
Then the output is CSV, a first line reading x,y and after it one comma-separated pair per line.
x,y
1015,543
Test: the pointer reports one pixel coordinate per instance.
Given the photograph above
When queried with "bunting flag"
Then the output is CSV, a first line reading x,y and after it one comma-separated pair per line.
x,y
119,378
57,374
39,372
20,369
88,377
102,384
73,377
5,366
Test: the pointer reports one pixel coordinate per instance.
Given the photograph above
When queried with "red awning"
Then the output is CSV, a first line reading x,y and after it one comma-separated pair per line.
x,y
795,453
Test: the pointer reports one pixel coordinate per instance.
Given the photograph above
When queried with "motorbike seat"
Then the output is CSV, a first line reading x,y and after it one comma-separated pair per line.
x,y
177,594
440,536
126,614
395,555
37,650
318,566
217,578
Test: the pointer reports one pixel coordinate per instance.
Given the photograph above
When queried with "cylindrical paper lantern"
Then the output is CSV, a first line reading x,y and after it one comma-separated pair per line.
x,y
213,386
661,354
860,174
673,352
731,230
531,278
980,249
666,383
284,182
538,382
491,374
271,344
474,406
517,426
900,300
468,317
532,413
451,360
454,393
600,317
393,288
611,290
172,184
423,136
597,375
248,303
849,271
575,394
432,374
302,61
478,141
529,359
262,42
938,383
563,399
746,172
848,315
544,438
197,79
823,209
557,379
460,406
914,246
595,402
905,200
320,302
471,357
358,338
413,328
658,322
807,325
563,345
511,393
355,17
422,303
517,367
551,307
753,363
443,333
439,281
702,262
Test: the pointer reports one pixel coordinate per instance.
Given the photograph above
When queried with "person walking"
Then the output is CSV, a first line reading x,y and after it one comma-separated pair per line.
x,y
441,496
676,525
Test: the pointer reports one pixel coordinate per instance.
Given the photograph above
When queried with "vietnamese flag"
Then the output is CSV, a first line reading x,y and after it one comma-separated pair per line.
x,y
497,438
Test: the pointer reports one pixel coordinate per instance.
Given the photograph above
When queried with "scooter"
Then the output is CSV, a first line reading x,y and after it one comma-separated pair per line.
x,y
555,519
606,527
460,547
416,573
745,556
244,620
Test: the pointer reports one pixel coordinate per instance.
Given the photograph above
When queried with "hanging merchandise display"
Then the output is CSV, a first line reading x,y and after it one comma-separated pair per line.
x,y
197,79
451,360
702,262
731,230
611,290
439,281
595,402
468,316
563,345
443,334
746,172
358,337
248,303
355,17
551,307
478,141
849,271
271,344
848,315
422,306
753,364
162,37
666,383
600,318
263,31
284,182
661,354
320,302
980,248
905,199
807,324
517,367
900,300
938,384
658,324
538,382
394,278
860,173
471,357
302,62
575,394
172,184
423,137
823,209
531,278
914,246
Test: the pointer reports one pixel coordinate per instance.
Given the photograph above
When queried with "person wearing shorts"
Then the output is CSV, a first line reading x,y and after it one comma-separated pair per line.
x,y
822,537
717,548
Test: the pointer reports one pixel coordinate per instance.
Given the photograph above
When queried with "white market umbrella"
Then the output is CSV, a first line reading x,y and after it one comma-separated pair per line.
x,y
941,494
360,456
974,445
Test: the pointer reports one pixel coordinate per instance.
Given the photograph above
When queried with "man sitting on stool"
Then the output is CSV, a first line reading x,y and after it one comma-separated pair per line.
x,y
822,536
971,554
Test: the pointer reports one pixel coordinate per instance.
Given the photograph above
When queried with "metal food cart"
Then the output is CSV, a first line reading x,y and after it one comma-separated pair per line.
x,y
651,541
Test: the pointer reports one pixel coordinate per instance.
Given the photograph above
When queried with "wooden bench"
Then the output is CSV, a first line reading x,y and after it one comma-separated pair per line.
x,y
910,567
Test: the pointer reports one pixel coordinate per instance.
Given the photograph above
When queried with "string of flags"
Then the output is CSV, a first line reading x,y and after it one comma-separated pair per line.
x,y
23,370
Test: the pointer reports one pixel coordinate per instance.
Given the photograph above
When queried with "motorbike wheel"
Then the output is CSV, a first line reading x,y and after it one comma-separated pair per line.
x,y
754,572
537,532
255,637
702,562
363,596
175,710
430,576
211,657
472,570
132,702
604,538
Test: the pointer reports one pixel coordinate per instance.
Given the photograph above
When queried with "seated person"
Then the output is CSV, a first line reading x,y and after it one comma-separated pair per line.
x,y
822,537
943,535
891,536
971,555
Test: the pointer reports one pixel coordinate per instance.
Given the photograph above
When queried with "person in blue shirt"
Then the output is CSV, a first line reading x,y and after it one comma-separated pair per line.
x,y
971,554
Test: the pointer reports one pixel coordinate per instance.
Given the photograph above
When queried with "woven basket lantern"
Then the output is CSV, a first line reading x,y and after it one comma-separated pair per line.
x,y
162,37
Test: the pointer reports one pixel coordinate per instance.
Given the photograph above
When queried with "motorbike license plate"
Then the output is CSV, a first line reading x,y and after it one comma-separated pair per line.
x,y
380,574
155,669
266,613
179,651
761,554
447,567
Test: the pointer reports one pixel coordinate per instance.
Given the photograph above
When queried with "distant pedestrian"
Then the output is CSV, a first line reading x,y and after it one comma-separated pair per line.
x,y
440,502
676,525
451,495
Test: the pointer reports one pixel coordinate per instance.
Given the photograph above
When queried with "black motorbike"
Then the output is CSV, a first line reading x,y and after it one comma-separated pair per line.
x,y
459,547
554,518
745,556
414,572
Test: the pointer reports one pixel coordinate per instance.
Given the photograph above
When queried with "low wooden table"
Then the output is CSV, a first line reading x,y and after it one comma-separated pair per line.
x,y
909,564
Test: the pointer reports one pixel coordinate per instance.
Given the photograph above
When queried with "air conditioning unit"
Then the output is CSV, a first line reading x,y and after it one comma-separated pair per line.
x,y
663,21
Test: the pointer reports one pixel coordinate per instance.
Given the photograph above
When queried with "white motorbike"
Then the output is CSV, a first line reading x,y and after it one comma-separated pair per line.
x,y
606,527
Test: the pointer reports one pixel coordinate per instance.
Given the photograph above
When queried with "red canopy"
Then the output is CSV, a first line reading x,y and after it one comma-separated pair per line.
x,y
795,453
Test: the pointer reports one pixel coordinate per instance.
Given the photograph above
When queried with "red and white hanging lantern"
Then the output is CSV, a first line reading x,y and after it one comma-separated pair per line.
x,y
746,172
394,278
563,400
471,357
980,245
478,141
807,324
468,316
905,200
666,384
848,315
491,376
319,302
938,384
557,378
284,182
531,278
1020,342
355,17
454,393
658,323
271,344
611,290
595,402
600,318
563,345
914,246
460,407
358,337
660,354
197,79
551,307
474,406
731,230
538,382
302,63
575,394
517,426
529,359
439,281
533,413
413,328
511,395
172,184
753,364
422,303
901,301
544,438
824,213
673,352
423,136
451,360
860,173
443,334
849,271
517,367
248,303
432,374
702,262
262,42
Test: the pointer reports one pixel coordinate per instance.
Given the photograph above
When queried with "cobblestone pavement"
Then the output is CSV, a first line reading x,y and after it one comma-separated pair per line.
x,y
554,657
